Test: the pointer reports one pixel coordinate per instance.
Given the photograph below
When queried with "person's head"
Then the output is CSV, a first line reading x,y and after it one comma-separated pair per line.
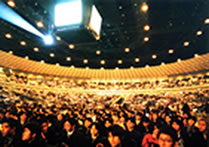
x,y
87,122
146,122
23,116
155,130
191,121
59,117
9,126
44,125
176,124
138,116
31,132
130,123
69,125
115,135
167,137
94,129
202,125
108,123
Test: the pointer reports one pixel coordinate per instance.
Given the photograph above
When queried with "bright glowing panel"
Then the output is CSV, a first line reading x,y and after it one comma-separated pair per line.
x,y
95,21
68,13
48,40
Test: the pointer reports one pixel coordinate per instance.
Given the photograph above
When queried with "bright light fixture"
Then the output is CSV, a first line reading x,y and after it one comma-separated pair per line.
x,y
48,40
69,13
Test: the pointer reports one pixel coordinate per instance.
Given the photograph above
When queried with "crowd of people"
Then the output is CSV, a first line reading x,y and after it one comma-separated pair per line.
x,y
104,121
66,83
59,118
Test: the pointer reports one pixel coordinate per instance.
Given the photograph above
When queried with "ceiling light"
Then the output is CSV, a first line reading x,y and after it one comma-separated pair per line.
x,y
137,60
68,59
8,36
102,62
72,66
199,33
40,24
163,63
58,37
147,66
85,61
116,68
23,43
154,56
146,39
170,51
120,7
11,3
87,67
179,60
11,52
206,21
144,7
196,55
48,40
52,55
42,61
57,64
102,68
146,27
186,43
98,52
71,46
120,61
127,50
26,57
36,49
131,67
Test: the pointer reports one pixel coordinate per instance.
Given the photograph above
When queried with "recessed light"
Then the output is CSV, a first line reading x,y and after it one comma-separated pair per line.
x,y
162,63
199,33
154,56
11,3
137,60
8,36
40,24
52,55
146,27
85,61
23,43
196,55
42,61
144,7
11,52
206,21
87,67
102,68
147,66
127,50
170,51
36,49
186,43
179,60
98,52
57,64
102,62
68,59
26,57
120,61
71,46
58,37
116,68
146,39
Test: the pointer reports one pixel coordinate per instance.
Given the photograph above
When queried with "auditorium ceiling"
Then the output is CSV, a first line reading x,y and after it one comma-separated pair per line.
x,y
134,33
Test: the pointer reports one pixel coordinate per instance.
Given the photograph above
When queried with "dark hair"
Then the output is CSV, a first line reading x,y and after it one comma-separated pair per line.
x,y
116,131
169,131
11,122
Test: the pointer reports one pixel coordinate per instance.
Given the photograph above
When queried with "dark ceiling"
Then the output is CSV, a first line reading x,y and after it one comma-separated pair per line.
x,y
172,23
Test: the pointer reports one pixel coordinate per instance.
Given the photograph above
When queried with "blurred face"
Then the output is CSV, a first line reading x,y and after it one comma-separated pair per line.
x,y
165,140
67,126
146,124
175,126
113,140
5,129
138,117
87,123
23,116
107,124
168,119
130,125
155,132
94,131
44,127
26,134
59,117
191,122
202,125
154,116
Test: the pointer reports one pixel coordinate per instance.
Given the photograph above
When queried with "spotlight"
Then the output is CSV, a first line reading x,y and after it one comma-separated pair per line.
x,y
48,40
